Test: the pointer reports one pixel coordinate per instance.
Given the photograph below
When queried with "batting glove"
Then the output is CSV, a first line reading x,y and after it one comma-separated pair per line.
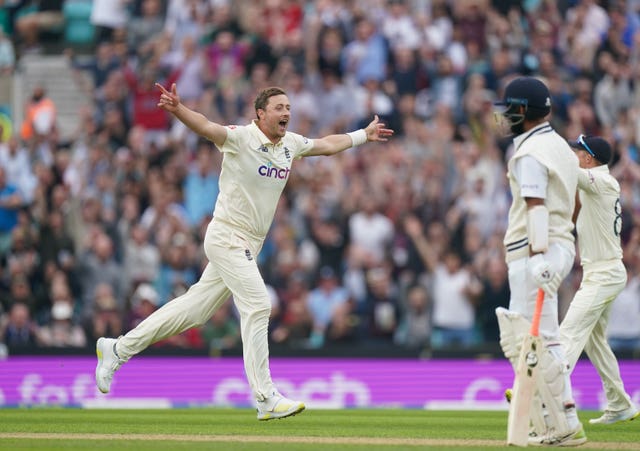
x,y
545,277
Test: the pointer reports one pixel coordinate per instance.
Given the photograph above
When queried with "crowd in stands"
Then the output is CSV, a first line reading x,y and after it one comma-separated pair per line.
x,y
392,244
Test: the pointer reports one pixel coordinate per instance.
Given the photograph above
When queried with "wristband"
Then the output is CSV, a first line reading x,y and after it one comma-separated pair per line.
x,y
358,137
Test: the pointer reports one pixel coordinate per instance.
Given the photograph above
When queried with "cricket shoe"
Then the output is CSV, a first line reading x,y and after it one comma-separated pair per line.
x,y
277,406
574,438
611,417
108,363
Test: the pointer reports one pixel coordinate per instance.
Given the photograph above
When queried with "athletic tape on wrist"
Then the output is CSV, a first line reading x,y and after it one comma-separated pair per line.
x,y
358,137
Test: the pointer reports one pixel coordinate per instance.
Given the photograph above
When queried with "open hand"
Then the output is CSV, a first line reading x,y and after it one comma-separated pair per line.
x,y
376,130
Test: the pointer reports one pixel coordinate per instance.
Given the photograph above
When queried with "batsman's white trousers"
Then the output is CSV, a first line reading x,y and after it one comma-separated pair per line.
x,y
585,326
524,289
232,269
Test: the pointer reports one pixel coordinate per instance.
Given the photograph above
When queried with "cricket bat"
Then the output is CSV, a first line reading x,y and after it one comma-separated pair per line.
x,y
524,385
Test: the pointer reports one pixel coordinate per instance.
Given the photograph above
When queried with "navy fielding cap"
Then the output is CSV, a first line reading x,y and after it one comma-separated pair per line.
x,y
595,146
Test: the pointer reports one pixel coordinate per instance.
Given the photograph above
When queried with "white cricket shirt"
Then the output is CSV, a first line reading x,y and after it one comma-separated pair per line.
x,y
600,220
561,163
254,173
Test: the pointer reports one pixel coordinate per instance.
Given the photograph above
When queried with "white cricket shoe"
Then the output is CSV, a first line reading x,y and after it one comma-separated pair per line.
x,y
610,416
277,406
573,438
108,363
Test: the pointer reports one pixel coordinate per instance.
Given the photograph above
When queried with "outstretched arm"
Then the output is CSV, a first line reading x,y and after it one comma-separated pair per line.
x,y
333,144
428,255
170,101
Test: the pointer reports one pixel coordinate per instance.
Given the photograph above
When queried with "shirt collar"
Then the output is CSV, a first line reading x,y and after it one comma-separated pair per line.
x,y
261,136
601,168
540,128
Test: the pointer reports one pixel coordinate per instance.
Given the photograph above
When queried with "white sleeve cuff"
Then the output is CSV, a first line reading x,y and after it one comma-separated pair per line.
x,y
358,137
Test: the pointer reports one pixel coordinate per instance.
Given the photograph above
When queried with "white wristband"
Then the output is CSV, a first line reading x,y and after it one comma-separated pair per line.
x,y
358,137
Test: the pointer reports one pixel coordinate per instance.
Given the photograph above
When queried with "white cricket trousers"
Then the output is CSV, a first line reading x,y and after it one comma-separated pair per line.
x,y
585,326
232,269
524,290
523,300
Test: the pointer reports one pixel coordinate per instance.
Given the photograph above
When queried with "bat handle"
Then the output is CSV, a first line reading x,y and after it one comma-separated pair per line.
x,y
535,321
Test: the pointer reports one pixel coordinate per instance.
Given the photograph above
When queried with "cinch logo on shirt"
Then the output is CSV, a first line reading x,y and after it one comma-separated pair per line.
x,y
271,171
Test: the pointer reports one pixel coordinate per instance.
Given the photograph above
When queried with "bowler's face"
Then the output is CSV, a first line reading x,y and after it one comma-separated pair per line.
x,y
274,120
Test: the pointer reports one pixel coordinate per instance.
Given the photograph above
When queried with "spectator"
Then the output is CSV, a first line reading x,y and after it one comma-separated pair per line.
x,y
303,100
33,19
105,314
189,59
323,302
371,231
201,185
40,116
99,66
176,269
495,293
455,292
226,58
141,258
623,332
19,291
15,159
7,54
294,323
343,326
379,314
143,27
331,240
399,27
108,16
143,303
62,332
585,25
612,93
18,330
186,19
56,247
144,97
164,216
222,331
366,56
98,265
414,328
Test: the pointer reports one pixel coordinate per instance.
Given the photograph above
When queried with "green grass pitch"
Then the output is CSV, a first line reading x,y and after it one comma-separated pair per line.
x,y
237,429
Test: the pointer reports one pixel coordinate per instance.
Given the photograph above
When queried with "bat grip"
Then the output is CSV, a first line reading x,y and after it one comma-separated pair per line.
x,y
535,321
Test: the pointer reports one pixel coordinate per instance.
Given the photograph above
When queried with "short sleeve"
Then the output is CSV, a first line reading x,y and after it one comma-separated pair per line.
x,y
587,181
532,177
302,145
234,139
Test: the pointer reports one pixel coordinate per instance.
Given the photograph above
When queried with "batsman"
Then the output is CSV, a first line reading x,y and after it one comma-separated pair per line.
x,y
539,246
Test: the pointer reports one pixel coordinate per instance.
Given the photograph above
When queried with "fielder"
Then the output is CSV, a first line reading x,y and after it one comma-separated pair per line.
x,y
257,160
540,251
598,224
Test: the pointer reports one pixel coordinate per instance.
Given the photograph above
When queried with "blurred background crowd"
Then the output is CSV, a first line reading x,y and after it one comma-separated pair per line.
x,y
387,246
